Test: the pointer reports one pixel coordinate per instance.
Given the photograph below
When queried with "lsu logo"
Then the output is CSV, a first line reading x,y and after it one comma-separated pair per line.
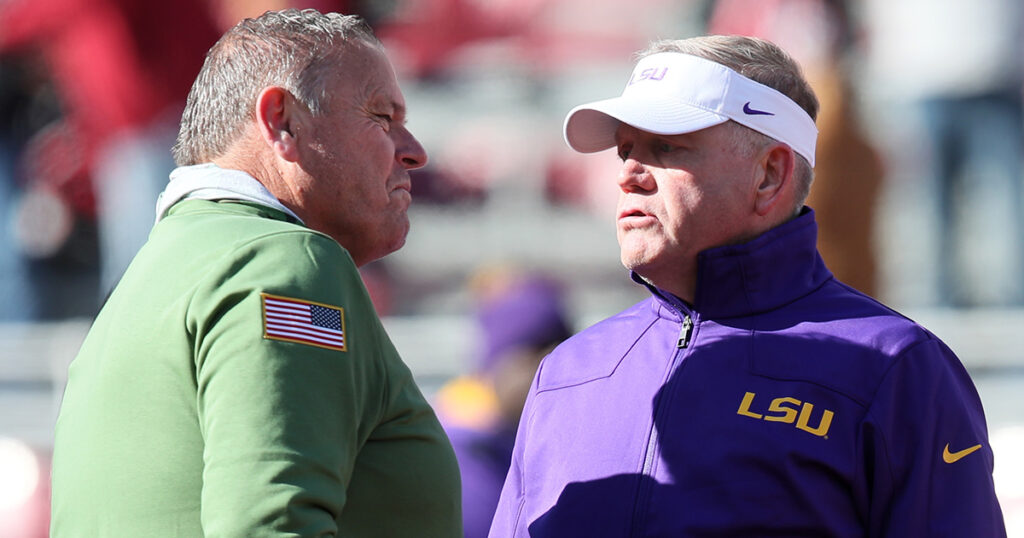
x,y
788,410
651,73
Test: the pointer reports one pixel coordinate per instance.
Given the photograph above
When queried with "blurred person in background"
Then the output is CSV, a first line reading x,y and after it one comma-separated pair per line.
x,y
950,75
822,36
752,394
238,381
520,317
26,106
122,69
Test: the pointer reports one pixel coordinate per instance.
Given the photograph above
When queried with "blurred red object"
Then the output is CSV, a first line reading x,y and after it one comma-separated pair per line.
x,y
24,490
116,64
430,37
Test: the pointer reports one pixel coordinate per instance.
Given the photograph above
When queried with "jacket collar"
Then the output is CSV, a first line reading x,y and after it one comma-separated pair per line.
x,y
762,274
208,181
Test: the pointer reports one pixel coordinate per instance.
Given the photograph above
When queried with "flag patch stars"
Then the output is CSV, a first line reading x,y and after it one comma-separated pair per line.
x,y
304,322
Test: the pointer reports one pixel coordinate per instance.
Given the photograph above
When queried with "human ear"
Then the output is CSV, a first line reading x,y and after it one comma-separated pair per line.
x,y
775,177
277,117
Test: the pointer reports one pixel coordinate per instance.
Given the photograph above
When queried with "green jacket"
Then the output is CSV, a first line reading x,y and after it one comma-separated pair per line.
x,y
181,417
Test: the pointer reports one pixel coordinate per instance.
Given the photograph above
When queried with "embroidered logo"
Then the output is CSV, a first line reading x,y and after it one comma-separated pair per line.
x,y
789,410
651,73
953,457
755,112
304,322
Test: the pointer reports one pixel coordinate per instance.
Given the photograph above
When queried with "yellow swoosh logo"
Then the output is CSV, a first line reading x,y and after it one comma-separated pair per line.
x,y
951,457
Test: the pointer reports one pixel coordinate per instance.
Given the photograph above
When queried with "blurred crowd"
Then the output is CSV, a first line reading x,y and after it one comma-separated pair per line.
x,y
921,127
919,187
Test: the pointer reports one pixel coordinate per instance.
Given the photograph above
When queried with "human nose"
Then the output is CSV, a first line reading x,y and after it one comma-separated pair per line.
x,y
408,151
634,176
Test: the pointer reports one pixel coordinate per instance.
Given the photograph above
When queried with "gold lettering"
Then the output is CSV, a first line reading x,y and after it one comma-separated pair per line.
x,y
744,409
788,413
805,415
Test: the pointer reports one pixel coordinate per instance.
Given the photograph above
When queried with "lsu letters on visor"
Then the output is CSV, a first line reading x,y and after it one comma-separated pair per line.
x,y
674,93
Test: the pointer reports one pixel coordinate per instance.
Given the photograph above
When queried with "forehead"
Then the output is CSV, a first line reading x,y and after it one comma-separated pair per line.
x,y
365,77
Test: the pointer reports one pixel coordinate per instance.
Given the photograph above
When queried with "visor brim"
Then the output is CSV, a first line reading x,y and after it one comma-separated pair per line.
x,y
591,127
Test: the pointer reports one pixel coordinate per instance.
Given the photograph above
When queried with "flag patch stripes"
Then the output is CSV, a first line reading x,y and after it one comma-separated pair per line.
x,y
304,322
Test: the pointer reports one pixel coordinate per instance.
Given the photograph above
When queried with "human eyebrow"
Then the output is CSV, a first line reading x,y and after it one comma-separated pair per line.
x,y
398,113
392,112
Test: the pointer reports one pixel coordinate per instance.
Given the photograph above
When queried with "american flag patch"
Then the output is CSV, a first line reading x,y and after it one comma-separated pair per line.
x,y
305,322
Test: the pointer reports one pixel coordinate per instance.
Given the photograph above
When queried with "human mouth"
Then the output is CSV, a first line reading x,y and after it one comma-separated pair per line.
x,y
403,187
635,218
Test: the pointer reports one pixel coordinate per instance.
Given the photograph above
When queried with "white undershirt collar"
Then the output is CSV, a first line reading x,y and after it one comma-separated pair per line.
x,y
208,181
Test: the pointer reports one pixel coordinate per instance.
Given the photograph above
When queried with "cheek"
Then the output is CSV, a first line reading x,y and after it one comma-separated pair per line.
x,y
682,213
377,149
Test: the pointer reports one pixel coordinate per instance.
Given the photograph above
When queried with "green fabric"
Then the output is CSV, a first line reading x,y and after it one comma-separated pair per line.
x,y
181,419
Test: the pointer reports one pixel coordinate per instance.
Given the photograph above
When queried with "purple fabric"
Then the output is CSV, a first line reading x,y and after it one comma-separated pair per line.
x,y
529,315
798,407
483,462
526,316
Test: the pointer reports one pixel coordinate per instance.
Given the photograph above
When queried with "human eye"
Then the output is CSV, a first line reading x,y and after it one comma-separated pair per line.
x,y
385,120
664,147
623,151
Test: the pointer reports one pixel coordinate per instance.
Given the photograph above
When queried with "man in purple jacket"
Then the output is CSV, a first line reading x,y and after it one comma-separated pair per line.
x,y
752,394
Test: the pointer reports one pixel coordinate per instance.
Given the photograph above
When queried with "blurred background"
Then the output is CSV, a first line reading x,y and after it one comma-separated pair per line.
x,y
918,190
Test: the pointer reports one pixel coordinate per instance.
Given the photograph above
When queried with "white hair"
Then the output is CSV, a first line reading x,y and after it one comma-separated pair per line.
x,y
293,49
763,62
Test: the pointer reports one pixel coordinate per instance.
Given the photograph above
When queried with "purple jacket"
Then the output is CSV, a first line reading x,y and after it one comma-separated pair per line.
x,y
782,403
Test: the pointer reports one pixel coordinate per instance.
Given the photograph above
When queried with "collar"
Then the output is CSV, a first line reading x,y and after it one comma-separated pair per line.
x,y
208,181
763,274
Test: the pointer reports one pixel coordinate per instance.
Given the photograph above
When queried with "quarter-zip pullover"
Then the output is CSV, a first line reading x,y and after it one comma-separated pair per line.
x,y
781,403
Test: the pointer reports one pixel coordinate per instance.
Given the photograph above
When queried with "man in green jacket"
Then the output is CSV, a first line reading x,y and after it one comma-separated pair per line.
x,y
238,381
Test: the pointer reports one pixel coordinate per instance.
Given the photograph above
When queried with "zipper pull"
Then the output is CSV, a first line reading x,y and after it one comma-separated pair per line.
x,y
684,334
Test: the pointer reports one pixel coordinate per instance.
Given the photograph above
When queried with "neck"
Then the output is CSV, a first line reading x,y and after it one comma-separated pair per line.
x,y
263,169
677,280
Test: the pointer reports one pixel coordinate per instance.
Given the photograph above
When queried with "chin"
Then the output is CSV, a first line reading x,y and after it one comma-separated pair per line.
x,y
632,264
396,246
640,263
393,245
633,256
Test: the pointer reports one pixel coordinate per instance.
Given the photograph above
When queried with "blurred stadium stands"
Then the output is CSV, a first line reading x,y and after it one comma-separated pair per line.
x,y
488,102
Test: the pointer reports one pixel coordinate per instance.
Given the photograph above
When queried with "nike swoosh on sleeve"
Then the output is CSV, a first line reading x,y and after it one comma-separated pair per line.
x,y
953,457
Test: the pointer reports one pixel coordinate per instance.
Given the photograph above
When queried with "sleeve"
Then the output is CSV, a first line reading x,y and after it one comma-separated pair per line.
x,y
513,493
927,458
282,421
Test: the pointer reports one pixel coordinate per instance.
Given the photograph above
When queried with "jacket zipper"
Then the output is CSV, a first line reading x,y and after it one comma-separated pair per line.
x,y
643,491
684,333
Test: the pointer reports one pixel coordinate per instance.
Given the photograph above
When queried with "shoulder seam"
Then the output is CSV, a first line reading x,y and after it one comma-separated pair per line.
x,y
870,405
618,363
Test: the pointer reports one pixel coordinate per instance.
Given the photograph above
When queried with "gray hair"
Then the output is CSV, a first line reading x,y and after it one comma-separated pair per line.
x,y
293,49
763,62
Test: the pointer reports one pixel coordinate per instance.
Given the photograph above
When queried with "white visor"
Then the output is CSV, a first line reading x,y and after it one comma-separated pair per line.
x,y
674,93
